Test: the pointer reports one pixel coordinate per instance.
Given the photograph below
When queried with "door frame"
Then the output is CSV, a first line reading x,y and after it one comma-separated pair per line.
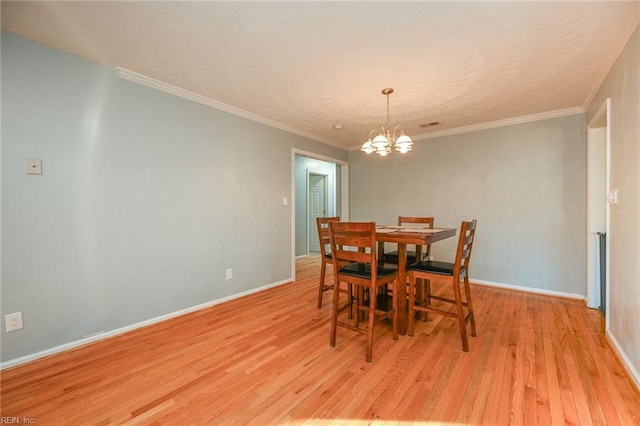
x,y
344,194
601,119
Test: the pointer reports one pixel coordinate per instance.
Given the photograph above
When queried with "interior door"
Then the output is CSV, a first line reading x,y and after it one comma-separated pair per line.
x,y
317,193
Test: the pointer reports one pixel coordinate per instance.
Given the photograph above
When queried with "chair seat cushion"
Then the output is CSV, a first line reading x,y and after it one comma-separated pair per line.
x,y
363,270
434,267
328,256
392,257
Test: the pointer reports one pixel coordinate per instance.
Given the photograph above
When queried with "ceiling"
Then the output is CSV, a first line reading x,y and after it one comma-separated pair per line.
x,y
307,66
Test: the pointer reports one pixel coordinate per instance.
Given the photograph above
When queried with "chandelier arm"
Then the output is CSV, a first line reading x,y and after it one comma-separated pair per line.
x,y
381,142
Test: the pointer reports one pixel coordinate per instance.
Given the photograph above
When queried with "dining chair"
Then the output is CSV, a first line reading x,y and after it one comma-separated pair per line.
x,y
353,248
418,253
438,271
322,224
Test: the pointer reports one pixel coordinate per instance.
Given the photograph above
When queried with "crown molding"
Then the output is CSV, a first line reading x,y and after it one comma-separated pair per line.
x,y
626,30
186,94
502,123
493,124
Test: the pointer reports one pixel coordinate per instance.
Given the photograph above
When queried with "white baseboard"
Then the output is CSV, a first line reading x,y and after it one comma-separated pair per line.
x,y
529,289
103,335
106,334
626,362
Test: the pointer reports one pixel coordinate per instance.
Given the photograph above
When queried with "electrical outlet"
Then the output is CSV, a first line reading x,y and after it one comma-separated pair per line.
x,y
229,274
34,167
13,322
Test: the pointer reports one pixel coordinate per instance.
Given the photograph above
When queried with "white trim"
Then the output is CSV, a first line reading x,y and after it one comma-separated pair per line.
x,y
92,338
186,94
502,123
344,199
310,154
607,261
493,124
626,362
622,36
529,289
593,287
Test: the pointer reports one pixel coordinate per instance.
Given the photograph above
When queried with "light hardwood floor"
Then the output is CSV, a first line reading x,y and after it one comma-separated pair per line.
x,y
266,359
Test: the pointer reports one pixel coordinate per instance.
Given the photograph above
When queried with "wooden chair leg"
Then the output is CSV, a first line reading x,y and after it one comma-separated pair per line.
x,y
323,270
460,311
372,317
394,306
359,302
427,296
419,296
411,313
334,313
472,319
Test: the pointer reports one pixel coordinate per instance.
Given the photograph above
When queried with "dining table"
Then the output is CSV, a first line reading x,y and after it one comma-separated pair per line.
x,y
403,235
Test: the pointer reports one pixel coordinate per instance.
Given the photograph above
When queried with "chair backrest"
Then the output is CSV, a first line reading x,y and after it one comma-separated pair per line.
x,y
403,220
465,244
353,242
323,232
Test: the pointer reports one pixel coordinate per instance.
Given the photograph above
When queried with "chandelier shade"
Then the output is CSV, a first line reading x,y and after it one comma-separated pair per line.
x,y
384,140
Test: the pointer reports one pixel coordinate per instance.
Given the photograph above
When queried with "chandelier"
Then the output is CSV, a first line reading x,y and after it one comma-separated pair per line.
x,y
383,140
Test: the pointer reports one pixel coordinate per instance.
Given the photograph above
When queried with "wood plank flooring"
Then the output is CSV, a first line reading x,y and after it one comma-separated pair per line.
x,y
266,359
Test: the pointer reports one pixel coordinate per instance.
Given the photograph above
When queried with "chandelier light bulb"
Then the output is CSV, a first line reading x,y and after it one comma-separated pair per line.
x,y
380,141
367,147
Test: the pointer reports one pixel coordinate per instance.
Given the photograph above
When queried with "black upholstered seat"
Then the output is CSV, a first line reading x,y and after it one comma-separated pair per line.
x,y
436,267
363,270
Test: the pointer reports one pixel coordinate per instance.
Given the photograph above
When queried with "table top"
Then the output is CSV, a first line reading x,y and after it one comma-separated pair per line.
x,y
412,234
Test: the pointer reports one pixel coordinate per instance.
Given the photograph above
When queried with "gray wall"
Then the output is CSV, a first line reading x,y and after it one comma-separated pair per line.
x,y
525,184
145,200
623,86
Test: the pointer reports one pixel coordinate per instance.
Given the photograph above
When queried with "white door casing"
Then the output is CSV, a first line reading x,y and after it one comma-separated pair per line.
x,y
598,203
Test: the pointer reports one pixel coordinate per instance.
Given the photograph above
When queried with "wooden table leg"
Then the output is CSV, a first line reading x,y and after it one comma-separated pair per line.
x,y
402,288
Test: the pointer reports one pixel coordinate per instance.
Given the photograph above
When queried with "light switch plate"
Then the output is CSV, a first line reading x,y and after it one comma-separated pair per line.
x,y
13,322
34,166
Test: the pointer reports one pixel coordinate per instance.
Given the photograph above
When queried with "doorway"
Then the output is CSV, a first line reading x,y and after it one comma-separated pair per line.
x,y
304,164
317,193
598,203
